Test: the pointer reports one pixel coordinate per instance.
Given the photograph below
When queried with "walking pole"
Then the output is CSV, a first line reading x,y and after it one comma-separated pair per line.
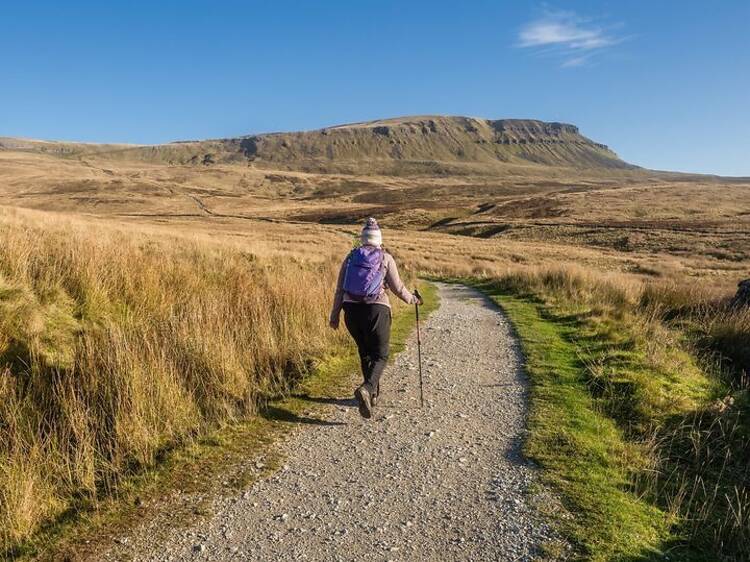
x,y
419,352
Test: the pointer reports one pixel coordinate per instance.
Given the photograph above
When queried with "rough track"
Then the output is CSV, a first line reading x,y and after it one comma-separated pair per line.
x,y
446,482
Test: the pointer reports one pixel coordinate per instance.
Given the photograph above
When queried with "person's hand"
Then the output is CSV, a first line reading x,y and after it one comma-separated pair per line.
x,y
334,322
418,298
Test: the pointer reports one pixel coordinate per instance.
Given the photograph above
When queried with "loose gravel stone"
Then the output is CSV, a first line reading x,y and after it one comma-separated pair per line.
x,y
443,482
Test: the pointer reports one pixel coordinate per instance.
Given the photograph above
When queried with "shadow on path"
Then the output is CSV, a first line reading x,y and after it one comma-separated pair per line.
x,y
346,402
275,413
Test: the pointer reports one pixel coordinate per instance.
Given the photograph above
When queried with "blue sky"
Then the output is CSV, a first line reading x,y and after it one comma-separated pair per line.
x,y
666,84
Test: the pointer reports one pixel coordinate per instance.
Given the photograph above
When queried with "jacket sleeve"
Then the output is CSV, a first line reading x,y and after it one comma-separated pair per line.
x,y
338,297
394,283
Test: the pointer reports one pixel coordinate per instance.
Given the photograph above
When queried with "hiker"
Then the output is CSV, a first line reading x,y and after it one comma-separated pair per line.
x,y
367,272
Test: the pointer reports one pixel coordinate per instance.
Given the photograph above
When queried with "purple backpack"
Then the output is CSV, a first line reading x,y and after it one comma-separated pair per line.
x,y
365,273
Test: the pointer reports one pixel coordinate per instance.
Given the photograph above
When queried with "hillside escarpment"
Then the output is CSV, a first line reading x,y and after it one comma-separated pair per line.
x,y
433,139
422,144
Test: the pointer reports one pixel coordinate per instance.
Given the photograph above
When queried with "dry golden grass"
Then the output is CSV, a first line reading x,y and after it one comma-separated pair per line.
x,y
189,293
122,338
116,343
650,224
669,362
640,216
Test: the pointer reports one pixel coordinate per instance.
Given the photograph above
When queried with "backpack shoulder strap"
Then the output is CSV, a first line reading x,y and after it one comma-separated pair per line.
x,y
348,263
384,267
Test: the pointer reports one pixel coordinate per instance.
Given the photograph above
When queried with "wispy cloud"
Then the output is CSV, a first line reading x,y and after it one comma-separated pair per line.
x,y
575,61
572,38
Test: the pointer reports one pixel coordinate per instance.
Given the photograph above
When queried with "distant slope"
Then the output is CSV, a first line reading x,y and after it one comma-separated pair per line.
x,y
431,144
436,139
62,148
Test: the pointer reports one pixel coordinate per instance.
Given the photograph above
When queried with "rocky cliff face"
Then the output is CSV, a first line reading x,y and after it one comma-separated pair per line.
x,y
401,145
433,139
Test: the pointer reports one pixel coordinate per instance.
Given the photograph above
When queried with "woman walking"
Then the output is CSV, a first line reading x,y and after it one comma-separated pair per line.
x,y
366,274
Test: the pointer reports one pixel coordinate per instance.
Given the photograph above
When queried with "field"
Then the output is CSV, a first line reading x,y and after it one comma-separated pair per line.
x,y
513,212
116,263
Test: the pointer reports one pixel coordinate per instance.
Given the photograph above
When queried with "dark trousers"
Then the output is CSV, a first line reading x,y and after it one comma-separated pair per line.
x,y
370,326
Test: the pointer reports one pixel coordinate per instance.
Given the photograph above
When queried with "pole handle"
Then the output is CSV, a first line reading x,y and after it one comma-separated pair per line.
x,y
416,294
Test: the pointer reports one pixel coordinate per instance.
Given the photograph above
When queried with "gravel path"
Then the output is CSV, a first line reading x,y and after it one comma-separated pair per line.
x,y
446,482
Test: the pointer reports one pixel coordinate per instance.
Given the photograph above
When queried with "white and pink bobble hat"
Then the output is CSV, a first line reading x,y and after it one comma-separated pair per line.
x,y
371,235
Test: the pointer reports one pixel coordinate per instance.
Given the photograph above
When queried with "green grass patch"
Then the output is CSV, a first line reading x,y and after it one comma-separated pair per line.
x,y
584,453
614,401
211,464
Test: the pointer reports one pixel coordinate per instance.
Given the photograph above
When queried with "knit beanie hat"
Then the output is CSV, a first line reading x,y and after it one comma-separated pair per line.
x,y
371,235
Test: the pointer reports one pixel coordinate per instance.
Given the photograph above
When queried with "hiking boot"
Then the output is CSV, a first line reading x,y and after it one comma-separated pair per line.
x,y
363,398
374,400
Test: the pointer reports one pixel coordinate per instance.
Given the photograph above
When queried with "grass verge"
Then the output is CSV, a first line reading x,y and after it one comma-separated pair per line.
x,y
624,425
583,452
222,462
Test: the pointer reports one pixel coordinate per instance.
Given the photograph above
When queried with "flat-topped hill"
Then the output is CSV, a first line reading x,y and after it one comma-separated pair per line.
x,y
398,145
435,139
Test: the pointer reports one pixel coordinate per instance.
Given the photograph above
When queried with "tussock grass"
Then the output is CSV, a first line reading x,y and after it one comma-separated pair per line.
x,y
216,461
639,410
117,345
583,451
